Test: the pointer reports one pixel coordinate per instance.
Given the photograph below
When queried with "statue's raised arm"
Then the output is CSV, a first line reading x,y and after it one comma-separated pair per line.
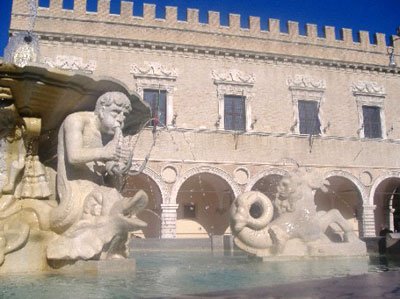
x,y
89,212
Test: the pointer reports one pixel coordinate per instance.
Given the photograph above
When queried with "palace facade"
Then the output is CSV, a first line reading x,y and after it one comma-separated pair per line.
x,y
237,108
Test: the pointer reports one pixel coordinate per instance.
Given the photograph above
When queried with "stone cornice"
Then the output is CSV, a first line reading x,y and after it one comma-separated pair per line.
x,y
222,52
269,57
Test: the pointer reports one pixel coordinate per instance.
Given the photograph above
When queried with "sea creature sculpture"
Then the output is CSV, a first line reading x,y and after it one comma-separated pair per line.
x,y
295,228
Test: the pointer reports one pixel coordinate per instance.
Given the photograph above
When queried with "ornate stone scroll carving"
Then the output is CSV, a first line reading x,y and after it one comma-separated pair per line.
x,y
71,63
368,88
305,82
154,69
233,76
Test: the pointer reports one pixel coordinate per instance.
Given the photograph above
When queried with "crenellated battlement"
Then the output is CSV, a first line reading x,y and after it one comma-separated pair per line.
x,y
99,24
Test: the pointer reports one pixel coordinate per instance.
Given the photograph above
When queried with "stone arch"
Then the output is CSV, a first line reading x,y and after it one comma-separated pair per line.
x,y
378,181
157,180
345,194
204,169
262,174
353,179
151,182
384,199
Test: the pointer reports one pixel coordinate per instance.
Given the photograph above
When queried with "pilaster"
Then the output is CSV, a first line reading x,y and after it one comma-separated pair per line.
x,y
368,221
168,221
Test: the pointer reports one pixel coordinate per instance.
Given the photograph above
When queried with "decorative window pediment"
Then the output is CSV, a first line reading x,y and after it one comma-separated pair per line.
x,y
155,76
305,88
306,82
370,96
71,63
233,83
154,70
233,77
368,88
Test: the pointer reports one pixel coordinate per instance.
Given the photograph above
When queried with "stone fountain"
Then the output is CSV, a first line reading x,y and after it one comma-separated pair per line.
x,y
65,147
289,225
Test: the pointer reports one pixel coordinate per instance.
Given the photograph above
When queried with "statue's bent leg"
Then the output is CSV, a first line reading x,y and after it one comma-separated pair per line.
x,y
117,248
334,217
279,238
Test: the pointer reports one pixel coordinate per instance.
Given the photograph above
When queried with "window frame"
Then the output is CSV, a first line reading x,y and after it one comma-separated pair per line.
x,y
160,91
368,93
364,123
305,88
234,83
318,121
243,120
155,76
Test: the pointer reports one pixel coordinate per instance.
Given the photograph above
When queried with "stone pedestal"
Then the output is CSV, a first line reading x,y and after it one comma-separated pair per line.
x,y
31,258
168,221
295,248
93,267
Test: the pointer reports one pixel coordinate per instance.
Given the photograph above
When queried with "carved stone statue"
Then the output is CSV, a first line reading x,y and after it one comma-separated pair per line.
x,y
92,218
50,216
297,228
14,230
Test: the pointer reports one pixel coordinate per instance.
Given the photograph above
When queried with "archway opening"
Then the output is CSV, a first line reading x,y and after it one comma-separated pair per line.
x,y
204,201
344,196
387,201
152,213
267,185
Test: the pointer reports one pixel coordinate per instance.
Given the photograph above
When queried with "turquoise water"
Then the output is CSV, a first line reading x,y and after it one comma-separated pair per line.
x,y
169,274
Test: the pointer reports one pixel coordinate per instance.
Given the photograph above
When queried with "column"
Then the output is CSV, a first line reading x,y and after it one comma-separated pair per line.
x,y
368,221
168,221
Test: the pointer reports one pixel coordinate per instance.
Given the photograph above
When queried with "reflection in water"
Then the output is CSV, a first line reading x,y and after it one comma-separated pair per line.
x,y
186,273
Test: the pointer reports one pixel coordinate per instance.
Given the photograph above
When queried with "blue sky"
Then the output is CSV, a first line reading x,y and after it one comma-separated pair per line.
x,y
370,15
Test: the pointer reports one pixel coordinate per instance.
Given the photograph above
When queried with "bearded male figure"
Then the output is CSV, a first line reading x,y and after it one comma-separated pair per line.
x,y
93,219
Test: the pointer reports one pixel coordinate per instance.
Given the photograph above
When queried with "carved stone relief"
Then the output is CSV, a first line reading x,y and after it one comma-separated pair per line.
x,y
233,76
169,174
71,63
305,82
154,69
368,87
241,175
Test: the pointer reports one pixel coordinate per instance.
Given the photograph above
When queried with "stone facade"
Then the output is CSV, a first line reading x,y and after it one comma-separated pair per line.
x,y
197,164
